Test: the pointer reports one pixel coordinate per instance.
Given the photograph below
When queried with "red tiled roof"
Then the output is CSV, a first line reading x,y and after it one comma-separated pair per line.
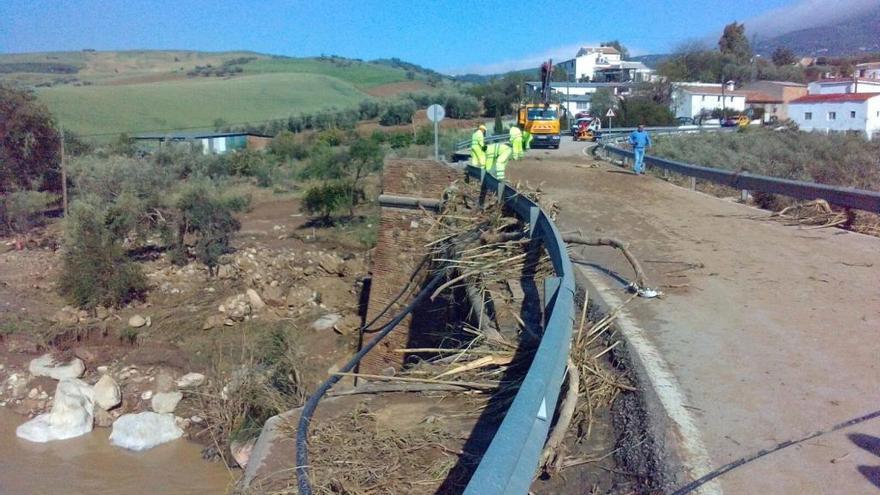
x,y
846,80
836,98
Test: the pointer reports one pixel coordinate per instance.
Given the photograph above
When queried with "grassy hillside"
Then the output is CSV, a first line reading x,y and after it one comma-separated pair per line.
x,y
111,109
135,91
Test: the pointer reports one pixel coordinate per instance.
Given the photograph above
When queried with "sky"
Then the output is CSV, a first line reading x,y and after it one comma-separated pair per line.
x,y
451,36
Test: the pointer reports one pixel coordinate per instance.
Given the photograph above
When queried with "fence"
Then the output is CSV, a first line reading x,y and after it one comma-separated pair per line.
x,y
846,197
510,462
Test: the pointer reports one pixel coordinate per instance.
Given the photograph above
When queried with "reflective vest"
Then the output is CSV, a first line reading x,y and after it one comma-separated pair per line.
x,y
496,159
477,139
515,134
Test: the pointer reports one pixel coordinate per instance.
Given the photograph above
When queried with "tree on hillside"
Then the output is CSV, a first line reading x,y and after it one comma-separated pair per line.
x,y
29,143
603,99
559,74
783,56
693,62
624,53
734,43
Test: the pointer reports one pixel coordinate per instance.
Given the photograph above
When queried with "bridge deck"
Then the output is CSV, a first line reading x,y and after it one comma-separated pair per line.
x,y
770,332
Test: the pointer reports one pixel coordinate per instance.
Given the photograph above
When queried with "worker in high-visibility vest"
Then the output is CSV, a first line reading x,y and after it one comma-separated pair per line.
x,y
478,147
497,155
516,142
527,140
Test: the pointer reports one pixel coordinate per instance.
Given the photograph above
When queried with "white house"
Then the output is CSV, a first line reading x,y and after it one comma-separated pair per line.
x,y
840,112
589,59
869,70
694,99
848,85
577,97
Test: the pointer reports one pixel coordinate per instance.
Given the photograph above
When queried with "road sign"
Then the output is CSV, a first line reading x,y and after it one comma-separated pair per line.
x,y
436,113
610,113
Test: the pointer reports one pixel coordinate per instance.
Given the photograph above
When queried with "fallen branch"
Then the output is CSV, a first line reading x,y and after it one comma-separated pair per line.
x,y
385,388
478,363
641,281
551,456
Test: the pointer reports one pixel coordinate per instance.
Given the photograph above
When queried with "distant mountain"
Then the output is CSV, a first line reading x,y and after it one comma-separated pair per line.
x,y
854,36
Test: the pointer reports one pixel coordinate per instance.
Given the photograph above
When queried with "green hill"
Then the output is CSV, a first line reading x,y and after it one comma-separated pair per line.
x,y
133,108
135,91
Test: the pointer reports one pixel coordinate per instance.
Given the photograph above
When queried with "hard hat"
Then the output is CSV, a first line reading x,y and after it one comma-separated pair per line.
x,y
482,127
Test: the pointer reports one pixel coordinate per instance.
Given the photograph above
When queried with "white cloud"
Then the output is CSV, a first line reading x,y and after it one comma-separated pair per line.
x,y
534,61
805,14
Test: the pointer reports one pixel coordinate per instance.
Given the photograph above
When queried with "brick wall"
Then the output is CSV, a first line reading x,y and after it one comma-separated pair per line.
x,y
402,236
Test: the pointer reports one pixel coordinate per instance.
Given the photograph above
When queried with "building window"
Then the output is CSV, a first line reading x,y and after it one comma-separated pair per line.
x,y
852,114
832,115
582,105
808,115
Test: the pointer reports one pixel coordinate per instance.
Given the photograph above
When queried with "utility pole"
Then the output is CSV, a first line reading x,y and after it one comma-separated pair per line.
x,y
63,172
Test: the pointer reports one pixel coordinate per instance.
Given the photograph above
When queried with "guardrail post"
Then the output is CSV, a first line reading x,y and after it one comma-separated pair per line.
x,y
693,183
501,191
744,195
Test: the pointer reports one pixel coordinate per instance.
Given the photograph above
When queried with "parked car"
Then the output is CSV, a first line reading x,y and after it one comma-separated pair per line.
x,y
684,121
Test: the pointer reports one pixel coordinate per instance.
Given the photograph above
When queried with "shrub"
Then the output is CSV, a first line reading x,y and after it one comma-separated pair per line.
x,y
400,140
398,112
286,145
328,197
95,269
29,143
207,215
425,135
21,211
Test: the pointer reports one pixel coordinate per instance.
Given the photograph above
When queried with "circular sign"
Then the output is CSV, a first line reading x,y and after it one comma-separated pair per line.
x,y
436,113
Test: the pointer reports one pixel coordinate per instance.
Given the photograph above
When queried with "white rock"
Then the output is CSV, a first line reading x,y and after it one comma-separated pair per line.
x,y
326,322
137,321
191,380
17,385
33,393
147,395
46,365
255,299
166,402
144,430
107,393
102,369
72,414
196,419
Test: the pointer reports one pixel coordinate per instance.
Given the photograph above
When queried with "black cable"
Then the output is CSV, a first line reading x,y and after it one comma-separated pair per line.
x,y
302,448
693,485
366,327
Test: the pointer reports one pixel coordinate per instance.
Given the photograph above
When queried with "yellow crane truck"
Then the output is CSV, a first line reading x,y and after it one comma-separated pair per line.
x,y
541,120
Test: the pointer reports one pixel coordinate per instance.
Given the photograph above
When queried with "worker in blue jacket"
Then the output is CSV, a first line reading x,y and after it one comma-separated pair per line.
x,y
640,140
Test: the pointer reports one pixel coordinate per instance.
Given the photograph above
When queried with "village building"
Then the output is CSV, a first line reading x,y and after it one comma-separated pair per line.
x,y
210,142
770,99
695,100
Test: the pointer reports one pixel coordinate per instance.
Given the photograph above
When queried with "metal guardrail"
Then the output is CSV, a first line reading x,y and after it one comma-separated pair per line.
x,y
509,464
847,197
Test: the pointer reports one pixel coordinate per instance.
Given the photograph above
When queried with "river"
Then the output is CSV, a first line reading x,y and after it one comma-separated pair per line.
x,y
90,465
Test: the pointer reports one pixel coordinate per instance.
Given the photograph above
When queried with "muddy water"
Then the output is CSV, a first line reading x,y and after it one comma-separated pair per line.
x,y
90,465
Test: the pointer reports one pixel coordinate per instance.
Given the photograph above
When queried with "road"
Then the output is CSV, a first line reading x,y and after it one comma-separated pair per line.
x,y
766,332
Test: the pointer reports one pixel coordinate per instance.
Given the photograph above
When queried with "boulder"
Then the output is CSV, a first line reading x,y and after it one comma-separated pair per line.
x,y
72,414
300,296
326,322
236,307
18,385
166,402
241,451
213,321
191,380
107,393
274,296
332,264
46,365
255,300
137,321
144,430
103,419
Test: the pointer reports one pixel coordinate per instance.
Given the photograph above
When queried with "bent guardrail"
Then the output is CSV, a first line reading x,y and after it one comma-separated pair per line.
x,y
847,197
509,464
